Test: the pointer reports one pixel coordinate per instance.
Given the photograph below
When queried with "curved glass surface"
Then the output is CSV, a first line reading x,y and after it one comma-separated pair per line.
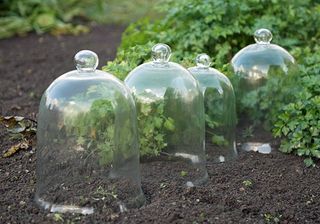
x,y
253,66
170,115
87,150
219,102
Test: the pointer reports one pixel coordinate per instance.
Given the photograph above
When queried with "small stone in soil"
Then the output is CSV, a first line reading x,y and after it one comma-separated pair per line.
x,y
22,203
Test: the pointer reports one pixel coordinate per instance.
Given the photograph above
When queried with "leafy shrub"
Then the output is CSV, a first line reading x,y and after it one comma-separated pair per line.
x,y
221,28
161,122
62,16
263,104
55,16
128,59
194,26
98,123
153,125
103,128
298,122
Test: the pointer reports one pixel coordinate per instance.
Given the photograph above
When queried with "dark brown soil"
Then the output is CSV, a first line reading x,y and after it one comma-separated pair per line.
x,y
255,188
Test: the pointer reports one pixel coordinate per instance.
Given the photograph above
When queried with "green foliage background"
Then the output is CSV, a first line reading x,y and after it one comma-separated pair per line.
x,y
221,28
18,17
298,122
106,128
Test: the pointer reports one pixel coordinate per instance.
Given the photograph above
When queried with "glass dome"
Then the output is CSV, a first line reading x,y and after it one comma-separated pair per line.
x,y
253,66
170,115
87,150
219,103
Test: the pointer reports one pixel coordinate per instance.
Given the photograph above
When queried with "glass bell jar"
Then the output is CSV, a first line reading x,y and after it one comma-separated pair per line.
x,y
170,116
87,150
253,67
220,113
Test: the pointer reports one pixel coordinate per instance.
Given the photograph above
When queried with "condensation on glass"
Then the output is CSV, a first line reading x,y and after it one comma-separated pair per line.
x,y
170,116
252,66
220,113
87,150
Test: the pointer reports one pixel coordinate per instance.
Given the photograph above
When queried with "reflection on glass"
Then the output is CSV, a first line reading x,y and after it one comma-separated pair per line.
x,y
253,66
219,102
87,150
170,116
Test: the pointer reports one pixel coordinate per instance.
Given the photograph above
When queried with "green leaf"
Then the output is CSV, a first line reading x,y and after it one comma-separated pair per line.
x,y
309,162
315,153
169,124
45,20
183,173
219,140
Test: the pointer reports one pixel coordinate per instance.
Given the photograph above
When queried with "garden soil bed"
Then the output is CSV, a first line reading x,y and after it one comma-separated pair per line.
x,y
255,188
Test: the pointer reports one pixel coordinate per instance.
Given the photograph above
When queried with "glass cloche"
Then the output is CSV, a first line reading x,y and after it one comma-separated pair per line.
x,y
170,116
253,66
87,150
219,102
